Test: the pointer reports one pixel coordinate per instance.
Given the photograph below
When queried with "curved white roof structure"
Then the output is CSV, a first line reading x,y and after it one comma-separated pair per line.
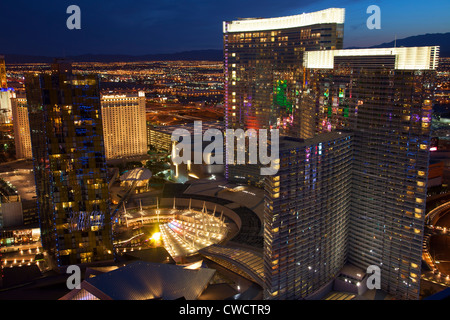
x,y
137,174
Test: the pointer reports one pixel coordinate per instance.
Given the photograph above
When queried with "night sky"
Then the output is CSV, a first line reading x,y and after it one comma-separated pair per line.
x,y
147,26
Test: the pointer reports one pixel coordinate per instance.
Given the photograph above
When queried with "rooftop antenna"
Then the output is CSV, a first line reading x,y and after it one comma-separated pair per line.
x,y
395,42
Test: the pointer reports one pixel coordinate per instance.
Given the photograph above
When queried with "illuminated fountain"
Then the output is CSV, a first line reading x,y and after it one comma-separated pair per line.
x,y
183,231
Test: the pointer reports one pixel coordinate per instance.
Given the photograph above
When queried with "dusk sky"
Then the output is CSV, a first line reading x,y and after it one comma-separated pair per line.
x,y
147,26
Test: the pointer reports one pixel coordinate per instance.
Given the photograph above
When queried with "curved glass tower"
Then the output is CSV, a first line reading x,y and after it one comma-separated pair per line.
x,y
306,215
263,62
70,167
384,96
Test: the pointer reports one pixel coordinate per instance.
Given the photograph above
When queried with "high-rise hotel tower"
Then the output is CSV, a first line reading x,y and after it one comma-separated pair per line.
x,y
328,205
385,97
5,95
264,73
69,165
22,137
306,215
124,124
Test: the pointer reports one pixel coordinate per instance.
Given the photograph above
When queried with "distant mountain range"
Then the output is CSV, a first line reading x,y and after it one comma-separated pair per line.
x,y
204,55
429,39
440,39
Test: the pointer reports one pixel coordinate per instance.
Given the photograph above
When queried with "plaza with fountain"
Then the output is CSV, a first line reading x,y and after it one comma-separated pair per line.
x,y
182,230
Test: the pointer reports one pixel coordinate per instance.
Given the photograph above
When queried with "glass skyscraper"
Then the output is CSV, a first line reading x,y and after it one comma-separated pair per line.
x,y
69,165
384,96
306,215
353,198
264,73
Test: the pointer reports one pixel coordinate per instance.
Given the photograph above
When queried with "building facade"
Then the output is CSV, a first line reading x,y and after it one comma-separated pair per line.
x,y
306,215
11,214
160,138
69,165
5,95
384,96
3,82
264,73
124,124
22,138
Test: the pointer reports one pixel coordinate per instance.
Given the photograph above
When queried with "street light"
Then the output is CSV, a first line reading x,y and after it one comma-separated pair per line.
x,y
141,212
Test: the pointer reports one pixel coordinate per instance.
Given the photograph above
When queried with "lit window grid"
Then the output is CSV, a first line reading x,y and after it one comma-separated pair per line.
x,y
306,218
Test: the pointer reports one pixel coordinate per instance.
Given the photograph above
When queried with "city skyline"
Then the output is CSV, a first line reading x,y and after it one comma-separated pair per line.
x,y
157,27
92,178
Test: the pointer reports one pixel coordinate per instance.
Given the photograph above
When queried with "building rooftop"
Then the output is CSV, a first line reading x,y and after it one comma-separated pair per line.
x,y
143,281
190,127
289,142
406,58
249,261
331,15
137,174
352,271
121,94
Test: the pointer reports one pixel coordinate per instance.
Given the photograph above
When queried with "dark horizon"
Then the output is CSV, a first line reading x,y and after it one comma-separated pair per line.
x,y
141,28
440,39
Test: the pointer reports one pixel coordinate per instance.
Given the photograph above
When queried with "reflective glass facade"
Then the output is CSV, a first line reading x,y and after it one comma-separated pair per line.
x,y
388,109
264,74
306,215
69,165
